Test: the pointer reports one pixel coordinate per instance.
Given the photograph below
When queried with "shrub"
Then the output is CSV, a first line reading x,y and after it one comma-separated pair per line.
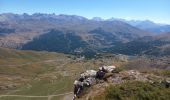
x,y
137,91
162,73
118,69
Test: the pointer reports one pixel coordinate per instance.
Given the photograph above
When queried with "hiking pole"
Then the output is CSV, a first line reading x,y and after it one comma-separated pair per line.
x,y
78,91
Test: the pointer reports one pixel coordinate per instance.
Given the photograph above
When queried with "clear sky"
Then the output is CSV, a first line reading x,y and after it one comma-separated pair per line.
x,y
155,10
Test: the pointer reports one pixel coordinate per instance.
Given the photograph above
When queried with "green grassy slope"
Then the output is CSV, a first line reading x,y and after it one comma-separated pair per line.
x,y
41,74
31,73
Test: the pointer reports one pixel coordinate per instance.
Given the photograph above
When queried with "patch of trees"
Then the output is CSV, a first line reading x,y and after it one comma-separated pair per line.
x,y
58,41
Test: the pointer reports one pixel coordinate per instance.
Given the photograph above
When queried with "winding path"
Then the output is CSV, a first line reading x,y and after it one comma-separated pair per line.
x,y
30,96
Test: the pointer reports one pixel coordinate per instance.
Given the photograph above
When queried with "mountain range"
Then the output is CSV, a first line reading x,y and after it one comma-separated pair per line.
x,y
146,25
150,26
79,35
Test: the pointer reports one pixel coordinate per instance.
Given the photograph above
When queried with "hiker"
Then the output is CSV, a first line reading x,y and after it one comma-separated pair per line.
x,y
100,74
78,87
105,72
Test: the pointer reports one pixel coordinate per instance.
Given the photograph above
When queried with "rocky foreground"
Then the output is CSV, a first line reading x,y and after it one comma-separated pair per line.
x,y
100,89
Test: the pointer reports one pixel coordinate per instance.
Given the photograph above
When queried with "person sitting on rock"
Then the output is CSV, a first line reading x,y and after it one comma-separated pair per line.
x,y
105,72
100,74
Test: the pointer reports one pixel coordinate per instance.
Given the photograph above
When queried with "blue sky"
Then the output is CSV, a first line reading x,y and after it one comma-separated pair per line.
x,y
155,10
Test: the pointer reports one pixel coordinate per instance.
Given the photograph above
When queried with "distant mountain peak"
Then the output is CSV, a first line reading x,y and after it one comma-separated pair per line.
x,y
97,19
116,19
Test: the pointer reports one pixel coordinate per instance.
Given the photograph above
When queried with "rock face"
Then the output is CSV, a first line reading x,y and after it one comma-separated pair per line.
x,y
128,75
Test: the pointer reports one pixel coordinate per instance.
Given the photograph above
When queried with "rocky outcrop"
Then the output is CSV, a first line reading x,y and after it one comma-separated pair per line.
x,y
124,76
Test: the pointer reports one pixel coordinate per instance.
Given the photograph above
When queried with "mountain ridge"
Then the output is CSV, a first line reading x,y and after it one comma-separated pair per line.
x,y
97,34
92,35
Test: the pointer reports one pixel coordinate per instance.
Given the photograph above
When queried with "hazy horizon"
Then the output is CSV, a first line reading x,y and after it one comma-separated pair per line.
x,y
92,17
154,10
